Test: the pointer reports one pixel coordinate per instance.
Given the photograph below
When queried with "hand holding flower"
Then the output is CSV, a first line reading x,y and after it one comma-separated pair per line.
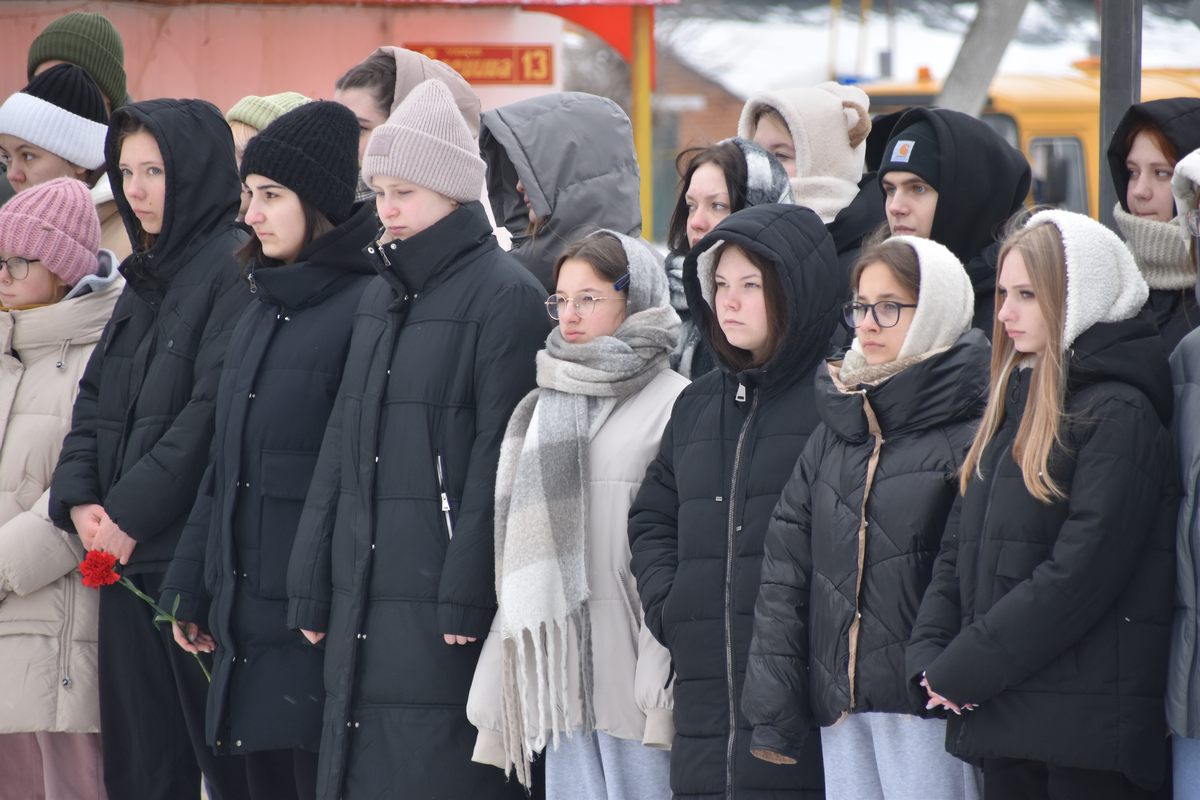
x,y
86,519
189,636
111,539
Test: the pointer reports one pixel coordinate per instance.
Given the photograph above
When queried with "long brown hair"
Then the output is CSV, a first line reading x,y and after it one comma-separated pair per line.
x,y
777,315
1040,431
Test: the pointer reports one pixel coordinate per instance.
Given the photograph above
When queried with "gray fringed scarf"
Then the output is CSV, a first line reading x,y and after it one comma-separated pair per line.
x,y
542,509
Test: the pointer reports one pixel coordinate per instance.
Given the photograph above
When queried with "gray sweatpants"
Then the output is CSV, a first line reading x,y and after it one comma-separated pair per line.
x,y
874,756
603,767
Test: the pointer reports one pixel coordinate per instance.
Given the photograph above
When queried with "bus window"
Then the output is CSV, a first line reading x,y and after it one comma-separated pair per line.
x,y
1004,125
1059,177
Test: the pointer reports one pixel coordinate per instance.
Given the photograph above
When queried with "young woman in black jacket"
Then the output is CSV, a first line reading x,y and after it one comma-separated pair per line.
x,y
851,545
1045,628
306,267
767,289
393,565
143,422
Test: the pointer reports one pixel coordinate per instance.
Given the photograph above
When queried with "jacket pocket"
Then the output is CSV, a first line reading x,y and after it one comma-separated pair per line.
x,y
631,603
284,481
1014,564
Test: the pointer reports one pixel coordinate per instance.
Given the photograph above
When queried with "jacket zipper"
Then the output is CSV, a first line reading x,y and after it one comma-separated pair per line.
x,y
441,478
64,648
731,530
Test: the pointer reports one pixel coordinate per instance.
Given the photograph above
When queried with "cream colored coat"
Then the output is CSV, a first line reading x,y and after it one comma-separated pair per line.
x,y
631,668
47,618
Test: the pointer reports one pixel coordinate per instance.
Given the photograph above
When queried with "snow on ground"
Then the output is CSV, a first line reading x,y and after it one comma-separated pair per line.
x,y
791,48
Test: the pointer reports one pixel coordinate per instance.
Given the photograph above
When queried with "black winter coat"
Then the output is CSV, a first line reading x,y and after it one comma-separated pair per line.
x,y
395,545
983,181
143,419
1055,618
281,375
851,546
696,527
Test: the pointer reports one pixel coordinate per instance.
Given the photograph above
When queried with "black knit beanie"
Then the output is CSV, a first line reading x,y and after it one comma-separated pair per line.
x,y
312,150
914,149
70,88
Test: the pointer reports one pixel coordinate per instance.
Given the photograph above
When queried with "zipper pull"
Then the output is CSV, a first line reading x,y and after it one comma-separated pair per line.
x,y
253,285
741,393
445,502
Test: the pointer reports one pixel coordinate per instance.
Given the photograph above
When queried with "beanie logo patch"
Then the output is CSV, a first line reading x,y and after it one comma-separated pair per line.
x,y
902,152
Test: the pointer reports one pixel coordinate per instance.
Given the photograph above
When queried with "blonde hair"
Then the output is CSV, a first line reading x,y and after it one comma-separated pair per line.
x,y
1040,431
242,134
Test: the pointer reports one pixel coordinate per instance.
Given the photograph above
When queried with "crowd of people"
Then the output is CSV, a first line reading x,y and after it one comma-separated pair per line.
x,y
877,485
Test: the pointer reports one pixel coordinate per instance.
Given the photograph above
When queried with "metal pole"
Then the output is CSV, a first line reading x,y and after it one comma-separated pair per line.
x,y
643,124
1120,84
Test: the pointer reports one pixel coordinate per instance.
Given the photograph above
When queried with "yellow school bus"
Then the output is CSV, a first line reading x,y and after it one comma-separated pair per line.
x,y
1055,121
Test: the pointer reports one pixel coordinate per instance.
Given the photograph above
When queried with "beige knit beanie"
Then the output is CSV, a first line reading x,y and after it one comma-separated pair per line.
x,y
427,142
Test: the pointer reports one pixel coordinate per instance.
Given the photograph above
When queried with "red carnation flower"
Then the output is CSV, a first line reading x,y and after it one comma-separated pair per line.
x,y
99,569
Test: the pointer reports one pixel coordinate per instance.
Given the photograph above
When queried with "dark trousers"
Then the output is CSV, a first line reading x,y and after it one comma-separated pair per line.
x,y
152,700
282,775
1019,779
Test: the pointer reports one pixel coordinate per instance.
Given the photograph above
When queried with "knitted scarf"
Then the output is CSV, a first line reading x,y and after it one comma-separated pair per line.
x,y
1160,249
689,336
541,521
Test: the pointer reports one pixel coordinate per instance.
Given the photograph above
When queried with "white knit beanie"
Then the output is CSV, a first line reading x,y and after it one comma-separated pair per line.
x,y
829,124
427,142
1103,281
945,300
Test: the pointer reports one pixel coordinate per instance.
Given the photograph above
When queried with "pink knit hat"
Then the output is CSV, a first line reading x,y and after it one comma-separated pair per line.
x,y
56,223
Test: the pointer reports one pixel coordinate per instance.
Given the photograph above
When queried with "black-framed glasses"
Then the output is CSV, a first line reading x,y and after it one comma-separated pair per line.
x,y
585,304
18,268
885,312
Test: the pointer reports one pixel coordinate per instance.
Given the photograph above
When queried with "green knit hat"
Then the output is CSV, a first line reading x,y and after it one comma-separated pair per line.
x,y
259,112
86,40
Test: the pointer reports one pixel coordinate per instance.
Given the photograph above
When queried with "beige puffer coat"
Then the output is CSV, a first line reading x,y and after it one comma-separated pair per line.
x,y
631,668
47,618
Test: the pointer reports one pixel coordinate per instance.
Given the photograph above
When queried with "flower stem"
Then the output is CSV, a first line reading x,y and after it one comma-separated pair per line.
x,y
162,615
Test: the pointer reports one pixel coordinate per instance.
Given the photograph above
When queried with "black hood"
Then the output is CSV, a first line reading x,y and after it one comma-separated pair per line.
x,y
983,180
1177,117
322,266
203,189
948,387
1129,351
861,218
793,239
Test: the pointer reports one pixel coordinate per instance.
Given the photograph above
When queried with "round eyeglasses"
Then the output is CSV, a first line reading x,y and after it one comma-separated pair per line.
x,y
885,312
556,304
18,268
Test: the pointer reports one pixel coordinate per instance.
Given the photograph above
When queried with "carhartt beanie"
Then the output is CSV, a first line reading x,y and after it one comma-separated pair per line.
x,y
259,112
1103,281
914,149
766,179
61,111
427,142
88,40
312,150
55,223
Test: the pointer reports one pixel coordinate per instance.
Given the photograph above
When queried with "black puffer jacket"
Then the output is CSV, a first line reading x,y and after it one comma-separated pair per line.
x,y
1055,618
395,545
281,375
1175,311
983,180
852,543
143,420
697,525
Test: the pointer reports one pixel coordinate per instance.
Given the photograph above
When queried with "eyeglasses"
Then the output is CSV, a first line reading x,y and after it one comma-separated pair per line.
x,y
885,312
18,268
585,304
